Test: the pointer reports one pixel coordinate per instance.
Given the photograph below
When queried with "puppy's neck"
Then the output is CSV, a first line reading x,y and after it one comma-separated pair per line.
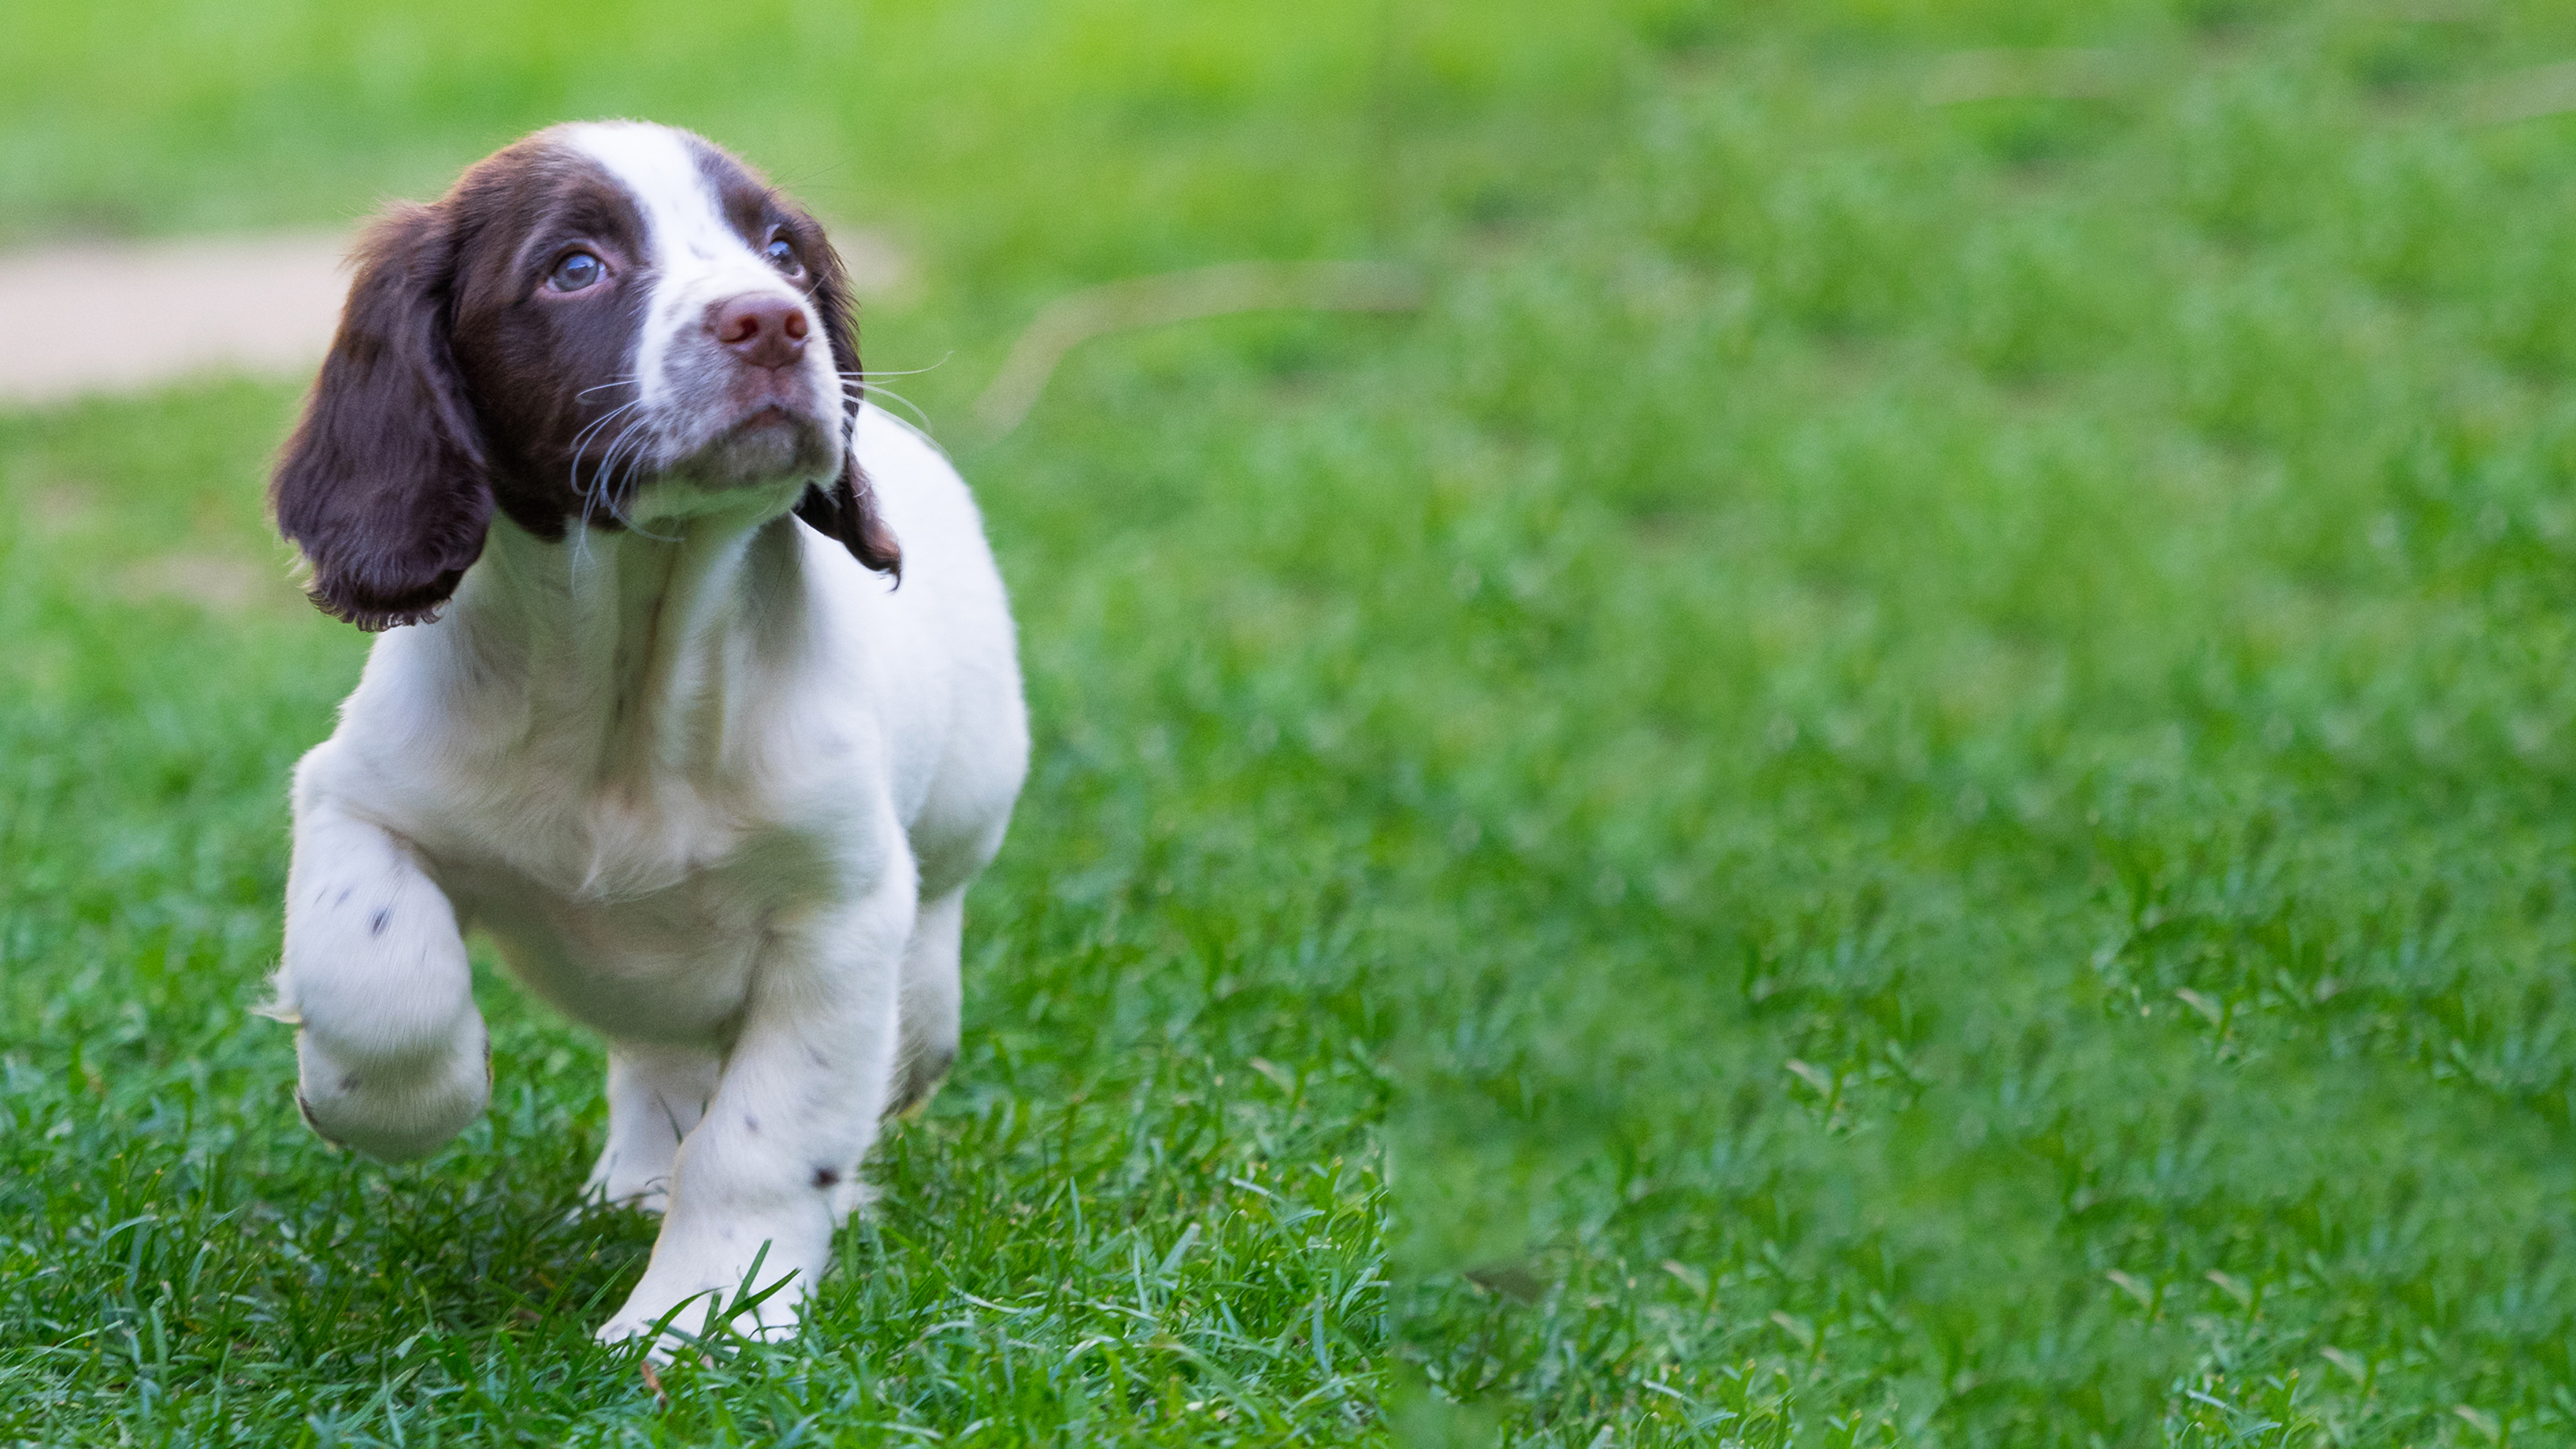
x,y
628,650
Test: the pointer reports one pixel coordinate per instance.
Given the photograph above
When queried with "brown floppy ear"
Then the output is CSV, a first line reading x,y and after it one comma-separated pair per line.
x,y
384,484
846,508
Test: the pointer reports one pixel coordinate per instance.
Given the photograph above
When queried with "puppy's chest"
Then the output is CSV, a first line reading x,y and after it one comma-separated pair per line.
x,y
640,914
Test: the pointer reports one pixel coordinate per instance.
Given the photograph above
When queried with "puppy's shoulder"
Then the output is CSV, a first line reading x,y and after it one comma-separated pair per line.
x,y
918,489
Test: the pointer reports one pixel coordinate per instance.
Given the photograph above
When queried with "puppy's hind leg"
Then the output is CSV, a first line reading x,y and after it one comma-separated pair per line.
x,y
929,1009
656,1094
392,1058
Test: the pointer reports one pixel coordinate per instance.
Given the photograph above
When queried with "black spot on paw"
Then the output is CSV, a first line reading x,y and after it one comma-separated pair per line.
x,y
349,1083
827,1177
306,1108
376,923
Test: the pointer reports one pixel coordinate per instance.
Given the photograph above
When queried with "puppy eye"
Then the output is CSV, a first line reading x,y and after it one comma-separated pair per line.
x,y
781,253
576,272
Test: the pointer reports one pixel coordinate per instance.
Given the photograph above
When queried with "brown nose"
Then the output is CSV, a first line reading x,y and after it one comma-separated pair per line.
x,y
762,329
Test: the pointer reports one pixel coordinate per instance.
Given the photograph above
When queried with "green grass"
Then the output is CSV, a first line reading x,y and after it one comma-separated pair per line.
x,y
1906,774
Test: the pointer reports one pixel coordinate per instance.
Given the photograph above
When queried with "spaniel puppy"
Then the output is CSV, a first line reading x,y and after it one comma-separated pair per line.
x,y
648,708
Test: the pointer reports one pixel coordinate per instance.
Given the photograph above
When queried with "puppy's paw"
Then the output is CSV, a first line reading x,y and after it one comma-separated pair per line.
x,y
612,1190
772,1320
652,1204
919,1075
393,1112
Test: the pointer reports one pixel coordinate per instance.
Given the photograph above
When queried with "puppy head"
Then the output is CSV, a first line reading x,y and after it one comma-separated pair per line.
x,y
601,324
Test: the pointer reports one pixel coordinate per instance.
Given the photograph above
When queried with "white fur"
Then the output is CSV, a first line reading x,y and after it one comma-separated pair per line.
x,y
713,788
696,261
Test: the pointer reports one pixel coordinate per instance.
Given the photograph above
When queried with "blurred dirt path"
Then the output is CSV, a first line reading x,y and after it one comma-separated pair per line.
x,y
111,317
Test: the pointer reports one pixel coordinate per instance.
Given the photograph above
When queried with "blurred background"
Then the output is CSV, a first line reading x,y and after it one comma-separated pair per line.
x,y
1887,759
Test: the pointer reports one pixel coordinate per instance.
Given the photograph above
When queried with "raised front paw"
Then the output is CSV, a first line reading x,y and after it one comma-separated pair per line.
x,y
394,1110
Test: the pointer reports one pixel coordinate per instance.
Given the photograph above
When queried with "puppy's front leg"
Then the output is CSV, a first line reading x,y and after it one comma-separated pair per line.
x,y
392,1058
769,1167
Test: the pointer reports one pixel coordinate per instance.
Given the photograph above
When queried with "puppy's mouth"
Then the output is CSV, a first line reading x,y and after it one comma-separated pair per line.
x,y
769,440
769,415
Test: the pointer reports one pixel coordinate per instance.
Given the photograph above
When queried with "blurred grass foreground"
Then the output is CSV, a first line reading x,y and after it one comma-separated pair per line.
x,y
1903,773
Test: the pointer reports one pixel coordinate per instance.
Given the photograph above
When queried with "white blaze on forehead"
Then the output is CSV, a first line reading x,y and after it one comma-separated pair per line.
x,y
695,256
658,168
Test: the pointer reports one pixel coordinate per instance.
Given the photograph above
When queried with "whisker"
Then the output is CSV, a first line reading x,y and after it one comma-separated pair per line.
x,y
626,475
634,467
583,437
612,412
881,390
863,376
611,485
581,539
618,508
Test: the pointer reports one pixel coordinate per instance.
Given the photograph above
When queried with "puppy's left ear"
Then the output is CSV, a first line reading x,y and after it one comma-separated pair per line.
x,y
846,509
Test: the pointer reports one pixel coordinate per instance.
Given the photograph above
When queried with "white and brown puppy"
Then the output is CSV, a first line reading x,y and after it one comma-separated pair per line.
x,y
650,709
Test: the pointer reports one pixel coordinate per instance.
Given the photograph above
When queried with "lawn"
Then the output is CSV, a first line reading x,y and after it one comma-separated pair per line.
x,y
1904,774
